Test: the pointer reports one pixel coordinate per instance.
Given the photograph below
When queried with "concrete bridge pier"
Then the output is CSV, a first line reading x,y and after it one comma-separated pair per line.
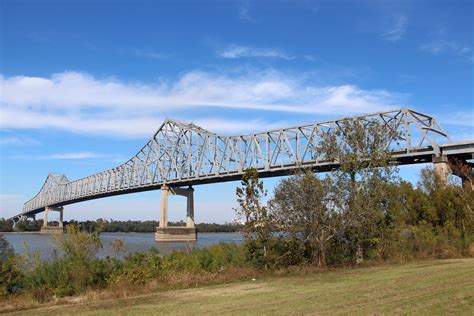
x,y
442,168
176,233
46,229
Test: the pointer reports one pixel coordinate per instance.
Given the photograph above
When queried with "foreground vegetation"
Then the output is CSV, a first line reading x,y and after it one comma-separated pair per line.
x,y
437,287
415,223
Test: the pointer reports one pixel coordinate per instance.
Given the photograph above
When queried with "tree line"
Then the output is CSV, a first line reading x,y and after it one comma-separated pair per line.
x,y
115,226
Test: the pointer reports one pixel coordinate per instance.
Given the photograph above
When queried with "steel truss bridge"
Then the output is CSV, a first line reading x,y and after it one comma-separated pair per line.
x,y
183,154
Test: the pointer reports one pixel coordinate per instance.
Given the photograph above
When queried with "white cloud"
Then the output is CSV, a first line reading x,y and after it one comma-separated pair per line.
x,y
396,29
238,51
79,102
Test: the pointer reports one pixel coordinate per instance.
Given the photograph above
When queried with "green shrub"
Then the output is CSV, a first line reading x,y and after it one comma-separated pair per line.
x,y
6,251
137,268
11,276
282,252
226,255
71,272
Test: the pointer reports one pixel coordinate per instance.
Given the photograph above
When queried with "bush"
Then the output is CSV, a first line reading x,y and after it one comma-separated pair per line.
x,y
6,251
142,267
137,268
226,256
11,277
71,272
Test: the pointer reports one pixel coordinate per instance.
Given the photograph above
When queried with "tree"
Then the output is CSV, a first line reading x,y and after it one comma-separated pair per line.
x,y
6,251
78,245
258,224
6,225
10,273
361,147
303,206
453,205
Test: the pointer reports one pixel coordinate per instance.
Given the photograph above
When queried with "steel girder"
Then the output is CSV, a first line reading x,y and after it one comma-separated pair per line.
x,y
182,153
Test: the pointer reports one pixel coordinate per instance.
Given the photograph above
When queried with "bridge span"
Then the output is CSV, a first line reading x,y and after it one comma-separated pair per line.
x,y
180,155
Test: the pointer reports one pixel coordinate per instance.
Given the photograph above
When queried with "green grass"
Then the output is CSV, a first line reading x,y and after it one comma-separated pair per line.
x,y
436,287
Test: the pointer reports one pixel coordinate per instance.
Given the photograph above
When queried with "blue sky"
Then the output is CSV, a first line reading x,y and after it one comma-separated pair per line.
x,y
84,84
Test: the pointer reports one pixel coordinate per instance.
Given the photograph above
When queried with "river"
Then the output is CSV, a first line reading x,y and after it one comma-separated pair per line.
x,y
133,242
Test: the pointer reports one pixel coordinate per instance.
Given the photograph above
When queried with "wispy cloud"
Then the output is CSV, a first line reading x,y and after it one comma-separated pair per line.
x,y
459,118
9,197
237,51
439,42
65,156
244,13
437,47
81,103
77,155
396,29
441,46
458,124
17,140
313,5
149,54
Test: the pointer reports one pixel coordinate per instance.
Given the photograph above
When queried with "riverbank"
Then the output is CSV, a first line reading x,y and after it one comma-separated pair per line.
x,y
428,287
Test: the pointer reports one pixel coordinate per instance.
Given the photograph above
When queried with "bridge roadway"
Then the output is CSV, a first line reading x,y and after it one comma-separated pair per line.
x,y
182,154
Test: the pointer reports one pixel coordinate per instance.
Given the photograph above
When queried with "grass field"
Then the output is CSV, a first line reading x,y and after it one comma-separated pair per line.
x,y
430,287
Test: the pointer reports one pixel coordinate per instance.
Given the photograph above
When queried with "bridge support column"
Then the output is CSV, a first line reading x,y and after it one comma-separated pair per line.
x,y
190,208
176,233
442,168
46,229
164,207
45,219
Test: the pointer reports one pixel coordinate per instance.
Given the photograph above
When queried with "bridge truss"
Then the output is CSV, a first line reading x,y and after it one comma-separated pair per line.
x,y
181,154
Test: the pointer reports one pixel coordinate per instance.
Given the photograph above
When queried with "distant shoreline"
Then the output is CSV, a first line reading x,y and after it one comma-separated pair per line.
x,y
118,233
35,232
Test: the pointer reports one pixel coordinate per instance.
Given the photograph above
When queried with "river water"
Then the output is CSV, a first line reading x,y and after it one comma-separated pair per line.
x,y
133,242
